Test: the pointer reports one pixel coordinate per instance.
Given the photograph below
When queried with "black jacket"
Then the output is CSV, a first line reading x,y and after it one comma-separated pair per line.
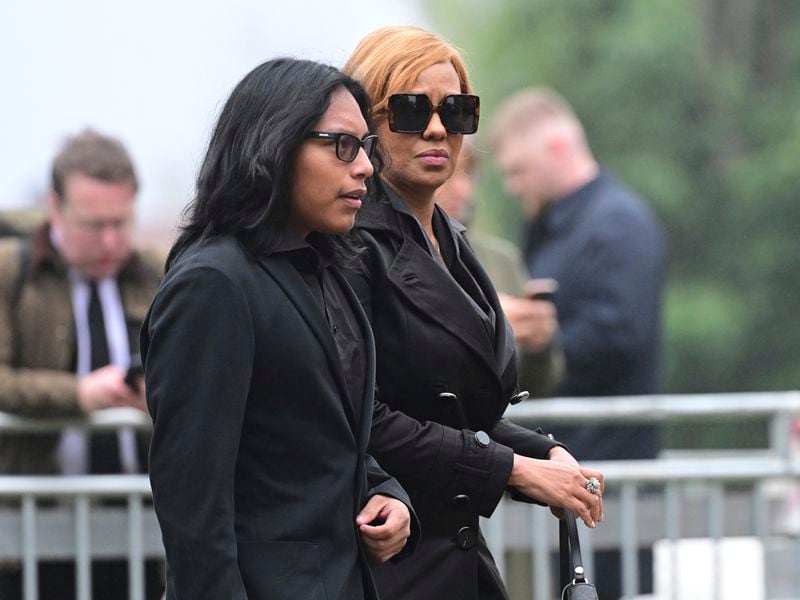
x,y
430,341
607,252
258,466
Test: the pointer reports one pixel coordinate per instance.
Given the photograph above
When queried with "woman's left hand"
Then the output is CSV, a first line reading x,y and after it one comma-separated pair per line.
x,y
559,454
385,525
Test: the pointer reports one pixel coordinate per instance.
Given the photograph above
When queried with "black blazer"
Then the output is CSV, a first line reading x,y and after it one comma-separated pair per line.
x,y
430,341
258,465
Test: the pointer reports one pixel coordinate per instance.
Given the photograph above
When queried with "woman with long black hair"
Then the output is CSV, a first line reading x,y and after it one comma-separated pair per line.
x,y
259,362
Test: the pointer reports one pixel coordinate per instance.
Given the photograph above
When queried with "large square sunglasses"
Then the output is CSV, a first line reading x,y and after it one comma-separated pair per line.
x,y
348,145
411,113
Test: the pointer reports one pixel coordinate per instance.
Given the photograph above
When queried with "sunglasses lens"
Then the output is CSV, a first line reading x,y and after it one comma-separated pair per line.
x,y
459,113
347,147
409,113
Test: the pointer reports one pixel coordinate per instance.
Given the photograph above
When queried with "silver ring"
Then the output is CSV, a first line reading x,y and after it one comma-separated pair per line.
x,y
593,485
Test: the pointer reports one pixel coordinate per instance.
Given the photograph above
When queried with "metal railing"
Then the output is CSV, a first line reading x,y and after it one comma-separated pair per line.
x,y
45,518
694,495
48,518
69,527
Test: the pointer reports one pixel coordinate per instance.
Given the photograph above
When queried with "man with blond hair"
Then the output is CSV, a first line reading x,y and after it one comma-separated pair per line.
x,y
605,248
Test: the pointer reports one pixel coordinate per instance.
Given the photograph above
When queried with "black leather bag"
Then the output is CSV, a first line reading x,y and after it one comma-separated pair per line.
x,y
574,584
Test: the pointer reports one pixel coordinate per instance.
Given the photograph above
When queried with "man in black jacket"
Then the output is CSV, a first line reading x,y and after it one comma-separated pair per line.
x,y
605,249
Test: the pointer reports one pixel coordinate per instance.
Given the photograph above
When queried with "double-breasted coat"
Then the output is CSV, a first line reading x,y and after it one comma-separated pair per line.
x,y
258,460
445,375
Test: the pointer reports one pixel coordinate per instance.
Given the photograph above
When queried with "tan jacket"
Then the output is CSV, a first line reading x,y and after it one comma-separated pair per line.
x,y
539,372
37,341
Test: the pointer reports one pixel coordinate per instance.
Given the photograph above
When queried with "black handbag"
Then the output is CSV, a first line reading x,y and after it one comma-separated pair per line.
x,y
574,584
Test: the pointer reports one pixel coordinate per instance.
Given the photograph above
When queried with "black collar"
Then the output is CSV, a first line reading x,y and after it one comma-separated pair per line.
x,y
310,255
384,213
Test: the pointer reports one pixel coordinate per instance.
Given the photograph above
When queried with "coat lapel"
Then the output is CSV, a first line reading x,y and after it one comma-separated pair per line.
x,y
421,281
298,293
416,276
504,338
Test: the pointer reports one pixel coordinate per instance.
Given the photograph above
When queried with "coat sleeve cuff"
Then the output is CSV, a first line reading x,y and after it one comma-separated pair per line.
x,y
530,443
481,468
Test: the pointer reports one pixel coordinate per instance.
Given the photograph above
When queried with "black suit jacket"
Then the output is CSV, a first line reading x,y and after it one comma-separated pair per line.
x,y
258,465
430,341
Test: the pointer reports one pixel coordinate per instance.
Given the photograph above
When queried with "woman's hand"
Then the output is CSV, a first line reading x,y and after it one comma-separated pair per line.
x,y
385,525
560,454
560,483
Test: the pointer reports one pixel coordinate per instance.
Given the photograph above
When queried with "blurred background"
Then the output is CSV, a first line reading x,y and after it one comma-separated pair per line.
x,y
154,74
694,103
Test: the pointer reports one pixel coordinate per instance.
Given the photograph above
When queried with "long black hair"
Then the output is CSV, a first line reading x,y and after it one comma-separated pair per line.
x,y
244,183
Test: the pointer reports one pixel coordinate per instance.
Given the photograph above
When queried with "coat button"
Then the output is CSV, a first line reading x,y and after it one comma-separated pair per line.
x,y
465,538
483,439
461,502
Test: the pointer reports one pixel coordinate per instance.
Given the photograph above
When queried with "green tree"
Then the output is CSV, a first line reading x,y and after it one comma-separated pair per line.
x,y
696,105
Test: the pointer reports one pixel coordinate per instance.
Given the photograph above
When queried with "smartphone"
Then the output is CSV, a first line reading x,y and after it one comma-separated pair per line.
x,y
135,373
543,289
547,296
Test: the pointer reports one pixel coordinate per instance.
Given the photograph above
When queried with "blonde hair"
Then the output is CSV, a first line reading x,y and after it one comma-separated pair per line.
x,y
527,109
389,60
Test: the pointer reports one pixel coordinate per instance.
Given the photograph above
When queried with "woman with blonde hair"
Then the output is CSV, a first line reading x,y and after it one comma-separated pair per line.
x,y
445,353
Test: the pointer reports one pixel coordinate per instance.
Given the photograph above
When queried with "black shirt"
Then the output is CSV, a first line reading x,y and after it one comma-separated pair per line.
x,y
313,258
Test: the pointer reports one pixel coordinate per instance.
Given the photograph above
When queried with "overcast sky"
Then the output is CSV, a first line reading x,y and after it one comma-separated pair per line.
x,y
152,72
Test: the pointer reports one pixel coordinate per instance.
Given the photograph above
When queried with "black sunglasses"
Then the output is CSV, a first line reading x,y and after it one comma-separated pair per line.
x,y
348,145
411,113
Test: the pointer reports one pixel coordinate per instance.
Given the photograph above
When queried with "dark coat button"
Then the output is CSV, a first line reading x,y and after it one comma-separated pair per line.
x,y
465,538
461,502
483,439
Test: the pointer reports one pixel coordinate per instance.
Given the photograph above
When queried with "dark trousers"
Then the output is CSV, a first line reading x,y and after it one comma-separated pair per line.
x,y
109,580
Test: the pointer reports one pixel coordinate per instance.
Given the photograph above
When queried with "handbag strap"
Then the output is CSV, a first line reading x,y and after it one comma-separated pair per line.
x,y
570,550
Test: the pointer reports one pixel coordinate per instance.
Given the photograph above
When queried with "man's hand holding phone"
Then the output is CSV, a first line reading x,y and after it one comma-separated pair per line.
x,y
134,377
106,388
533,318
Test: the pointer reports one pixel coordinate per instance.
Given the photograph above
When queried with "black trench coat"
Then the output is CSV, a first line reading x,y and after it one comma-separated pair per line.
x,y
430,342
258,460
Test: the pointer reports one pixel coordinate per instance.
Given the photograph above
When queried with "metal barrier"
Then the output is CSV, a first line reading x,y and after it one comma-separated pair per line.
x,y
66,518
691,496
70,527
669,498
